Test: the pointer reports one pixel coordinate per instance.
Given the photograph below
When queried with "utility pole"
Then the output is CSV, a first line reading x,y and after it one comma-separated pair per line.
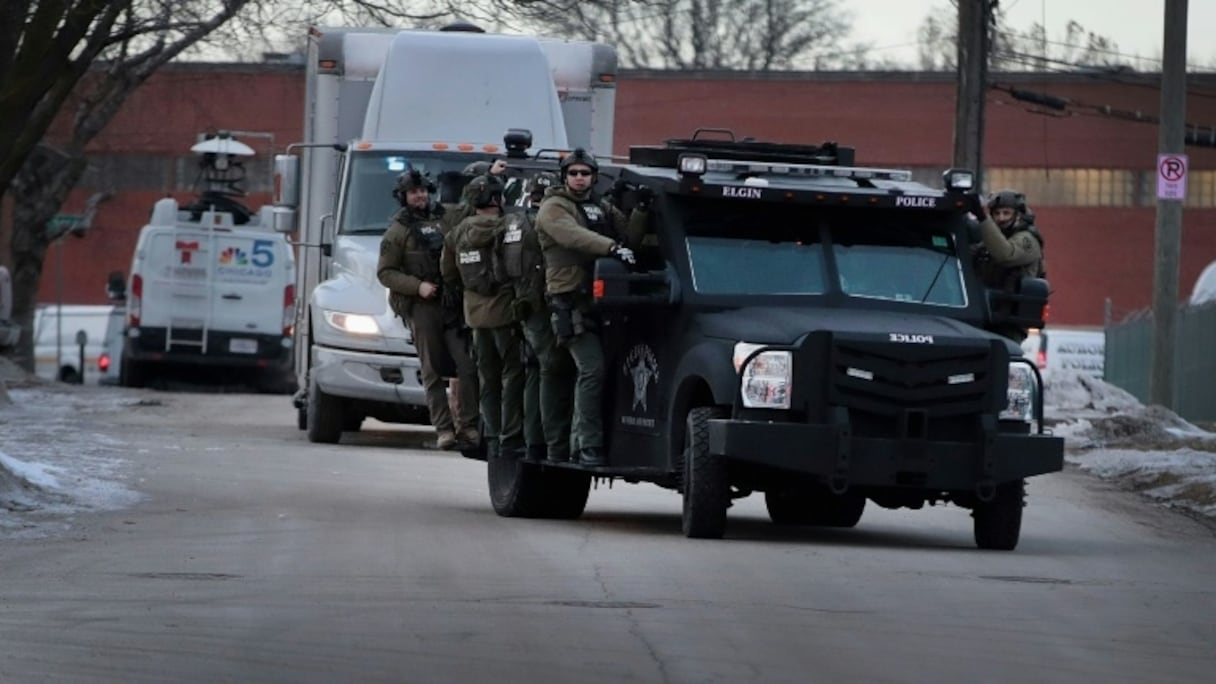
x,y
1168,232
974,20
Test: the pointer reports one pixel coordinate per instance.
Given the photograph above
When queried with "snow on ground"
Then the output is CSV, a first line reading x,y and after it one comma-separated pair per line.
x,y
56,460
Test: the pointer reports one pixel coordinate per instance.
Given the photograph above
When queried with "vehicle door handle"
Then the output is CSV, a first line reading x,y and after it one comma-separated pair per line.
x,y
231,295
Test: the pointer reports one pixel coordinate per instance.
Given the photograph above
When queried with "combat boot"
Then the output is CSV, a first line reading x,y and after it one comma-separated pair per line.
x,y
469,438
446,441
592,457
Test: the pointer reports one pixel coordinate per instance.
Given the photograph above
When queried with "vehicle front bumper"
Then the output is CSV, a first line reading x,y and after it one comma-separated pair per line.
x,y
368,375
830,452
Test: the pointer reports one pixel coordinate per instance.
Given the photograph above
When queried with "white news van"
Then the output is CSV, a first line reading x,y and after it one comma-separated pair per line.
x,y
379,101
211,285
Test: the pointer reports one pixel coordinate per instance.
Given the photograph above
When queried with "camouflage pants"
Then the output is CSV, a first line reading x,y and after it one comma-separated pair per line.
x,y
547,390
434,341
501,372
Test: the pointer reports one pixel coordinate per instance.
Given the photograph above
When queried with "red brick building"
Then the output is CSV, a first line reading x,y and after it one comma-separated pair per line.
x,y
1090,177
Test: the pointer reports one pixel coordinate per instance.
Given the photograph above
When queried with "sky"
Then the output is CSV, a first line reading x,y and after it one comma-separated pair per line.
x,y
1136,26
54,469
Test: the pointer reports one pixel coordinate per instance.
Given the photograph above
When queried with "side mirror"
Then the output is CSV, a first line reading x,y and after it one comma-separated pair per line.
x,y
616,285
284,220
1025,308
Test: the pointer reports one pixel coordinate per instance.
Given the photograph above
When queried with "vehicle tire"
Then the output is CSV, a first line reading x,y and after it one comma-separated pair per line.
x,y
302,418
567,491
325,414
705,482
998,523
818,507
69,375
132,374
517,488
351,422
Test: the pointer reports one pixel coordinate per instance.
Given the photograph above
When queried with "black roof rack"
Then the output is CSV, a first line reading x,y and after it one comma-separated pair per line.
x,y
746,149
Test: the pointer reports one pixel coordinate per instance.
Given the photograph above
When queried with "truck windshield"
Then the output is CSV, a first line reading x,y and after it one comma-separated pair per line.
x,y
775,249
368,204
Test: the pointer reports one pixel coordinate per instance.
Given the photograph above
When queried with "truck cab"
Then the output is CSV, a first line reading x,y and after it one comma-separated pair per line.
x,y
811,330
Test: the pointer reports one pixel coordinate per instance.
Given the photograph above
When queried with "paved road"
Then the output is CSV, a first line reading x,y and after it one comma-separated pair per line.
x,y
257,557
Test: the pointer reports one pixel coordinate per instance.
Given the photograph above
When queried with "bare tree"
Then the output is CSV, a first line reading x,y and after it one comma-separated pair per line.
x,y
77,62
695,34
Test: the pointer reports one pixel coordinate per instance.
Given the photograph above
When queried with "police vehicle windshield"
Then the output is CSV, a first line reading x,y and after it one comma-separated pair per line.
x,y
773,249
369,203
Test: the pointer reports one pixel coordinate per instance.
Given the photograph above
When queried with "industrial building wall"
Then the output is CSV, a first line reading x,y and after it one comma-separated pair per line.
x,y
1089,176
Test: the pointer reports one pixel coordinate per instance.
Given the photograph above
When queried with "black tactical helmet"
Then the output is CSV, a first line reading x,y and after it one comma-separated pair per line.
x,y
578,156
485,191
410,180
477,168
1011,199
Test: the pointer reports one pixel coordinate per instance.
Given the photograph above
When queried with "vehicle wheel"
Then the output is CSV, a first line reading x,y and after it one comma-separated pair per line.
x,y
324,416
998,523
517,488
302,418
706,485
817,507
567,492
351,422
69,375
132,374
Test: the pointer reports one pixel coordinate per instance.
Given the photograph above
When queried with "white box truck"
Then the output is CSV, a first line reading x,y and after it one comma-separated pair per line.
x,y
211,285
379,101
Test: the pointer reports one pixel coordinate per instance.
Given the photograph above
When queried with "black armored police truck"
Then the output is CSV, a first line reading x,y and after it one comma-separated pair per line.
x,y
803,327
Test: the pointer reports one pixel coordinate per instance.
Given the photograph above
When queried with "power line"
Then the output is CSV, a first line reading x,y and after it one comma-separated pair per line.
x,y
1026,59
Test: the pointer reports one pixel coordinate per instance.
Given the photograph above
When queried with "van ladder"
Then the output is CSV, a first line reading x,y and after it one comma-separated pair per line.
x,y
207,223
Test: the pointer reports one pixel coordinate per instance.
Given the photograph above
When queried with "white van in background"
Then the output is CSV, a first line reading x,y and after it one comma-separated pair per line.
x,y
1076,349
57,330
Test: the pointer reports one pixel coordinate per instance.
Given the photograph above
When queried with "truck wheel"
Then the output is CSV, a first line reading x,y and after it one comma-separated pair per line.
x,y
567,493
998,523
351,422
324,416
132,374
818,507
517,489
705,481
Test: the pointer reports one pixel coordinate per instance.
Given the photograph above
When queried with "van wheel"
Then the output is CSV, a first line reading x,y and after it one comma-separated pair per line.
x,y
324,416
998,523
815,507
705,481
567,493
517,488
69,375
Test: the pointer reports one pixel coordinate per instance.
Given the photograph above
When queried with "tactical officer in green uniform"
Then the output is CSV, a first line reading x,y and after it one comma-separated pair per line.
x,y
575,227
469,257
409,267
523,265
1011,247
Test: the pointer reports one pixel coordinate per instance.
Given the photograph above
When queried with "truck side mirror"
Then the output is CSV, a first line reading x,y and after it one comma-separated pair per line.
x,y
286,192
1025,308
616,285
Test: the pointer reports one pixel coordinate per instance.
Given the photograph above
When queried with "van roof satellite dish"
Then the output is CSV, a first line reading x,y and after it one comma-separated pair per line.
x,y
222,146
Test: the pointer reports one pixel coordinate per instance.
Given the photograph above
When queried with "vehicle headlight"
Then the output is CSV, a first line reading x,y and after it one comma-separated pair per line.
x,y
354,324
766,380
1022,393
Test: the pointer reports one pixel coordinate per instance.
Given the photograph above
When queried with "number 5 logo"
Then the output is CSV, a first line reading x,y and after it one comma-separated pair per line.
x,y
263,253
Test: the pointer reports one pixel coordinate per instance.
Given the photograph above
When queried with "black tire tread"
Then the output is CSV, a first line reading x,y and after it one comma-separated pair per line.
x,y
998,523
704,479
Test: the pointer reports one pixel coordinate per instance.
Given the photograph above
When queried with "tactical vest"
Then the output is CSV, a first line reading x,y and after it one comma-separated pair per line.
x,y
593,215
519,261
476,265
422,260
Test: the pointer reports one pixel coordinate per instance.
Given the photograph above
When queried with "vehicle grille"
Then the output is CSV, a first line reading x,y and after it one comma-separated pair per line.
x,y
889,379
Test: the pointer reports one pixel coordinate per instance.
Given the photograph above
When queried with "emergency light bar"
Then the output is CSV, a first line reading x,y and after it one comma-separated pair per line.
x,y
809,170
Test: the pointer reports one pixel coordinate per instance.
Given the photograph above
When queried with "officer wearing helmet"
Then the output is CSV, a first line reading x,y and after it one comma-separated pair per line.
x,y
1010,247
409,267
465,208
469,260
575,227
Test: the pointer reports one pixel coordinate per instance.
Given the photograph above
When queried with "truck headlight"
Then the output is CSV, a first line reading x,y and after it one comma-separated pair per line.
x,y
766,380
1021,395
353,324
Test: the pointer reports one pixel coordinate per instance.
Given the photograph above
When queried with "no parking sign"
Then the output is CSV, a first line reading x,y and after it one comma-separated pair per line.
x,y
1171,176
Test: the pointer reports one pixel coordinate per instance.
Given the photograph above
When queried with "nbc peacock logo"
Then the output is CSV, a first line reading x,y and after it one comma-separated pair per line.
x,y
233,256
